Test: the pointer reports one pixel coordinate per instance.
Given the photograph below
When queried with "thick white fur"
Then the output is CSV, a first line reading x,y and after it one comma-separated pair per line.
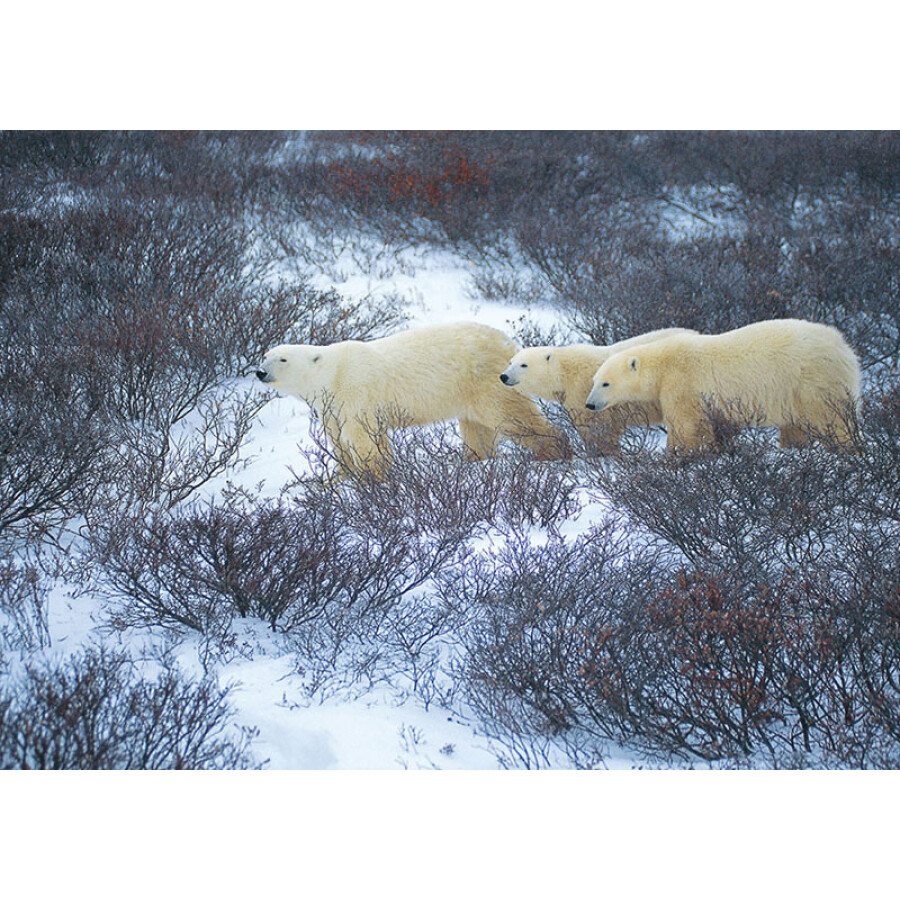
x,y
797,375
565,374
415,377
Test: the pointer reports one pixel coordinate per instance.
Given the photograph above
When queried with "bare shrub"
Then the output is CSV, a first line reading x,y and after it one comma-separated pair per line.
x,y
849,279
746,507
773,174
469,190
40,151
711,284
600,643
535,616
183,163
506,282
733,668
95,711
341,568
166,466
800,672
287,561
50,458
527,332
632,231
296,313
23,604
52,445
402,646
124,324
167,301
200,567
878,490
407,192
431,503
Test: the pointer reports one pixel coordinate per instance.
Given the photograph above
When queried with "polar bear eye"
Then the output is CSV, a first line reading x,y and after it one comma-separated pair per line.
x,y
605,384
282,360
523,365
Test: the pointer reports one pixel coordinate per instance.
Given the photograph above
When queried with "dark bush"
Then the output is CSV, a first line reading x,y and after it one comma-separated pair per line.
x,y
323,550
746,507
709,284
141,315
23,603
42,154
633,231
52,440
603,642
535,616
95,711
751,510
286,562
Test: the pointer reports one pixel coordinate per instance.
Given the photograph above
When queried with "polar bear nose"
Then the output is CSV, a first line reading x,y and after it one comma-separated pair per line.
x,y
504,378
261,374
591,405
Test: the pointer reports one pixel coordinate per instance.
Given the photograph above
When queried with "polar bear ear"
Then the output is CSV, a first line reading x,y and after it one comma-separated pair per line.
x,y
633,364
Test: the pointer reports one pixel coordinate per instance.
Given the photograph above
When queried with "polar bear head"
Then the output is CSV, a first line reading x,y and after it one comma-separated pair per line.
x,y
303,370
534,371
618,380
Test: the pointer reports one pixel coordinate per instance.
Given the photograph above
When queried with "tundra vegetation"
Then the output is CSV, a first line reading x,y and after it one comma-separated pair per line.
x,y
738,606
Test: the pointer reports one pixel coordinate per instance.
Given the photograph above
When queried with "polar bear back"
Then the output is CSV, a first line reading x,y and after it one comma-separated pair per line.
x,y
800,376
428,374
779,370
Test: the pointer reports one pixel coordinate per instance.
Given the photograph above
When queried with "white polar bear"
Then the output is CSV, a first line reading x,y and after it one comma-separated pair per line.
x,y
565,375
361,389
800,376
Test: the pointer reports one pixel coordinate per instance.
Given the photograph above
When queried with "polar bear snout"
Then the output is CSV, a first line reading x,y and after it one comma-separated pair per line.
x,y
504,378
262,375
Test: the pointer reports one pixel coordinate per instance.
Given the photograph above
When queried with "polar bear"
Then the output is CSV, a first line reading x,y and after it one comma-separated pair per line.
x,y
362,389
800,376
565,374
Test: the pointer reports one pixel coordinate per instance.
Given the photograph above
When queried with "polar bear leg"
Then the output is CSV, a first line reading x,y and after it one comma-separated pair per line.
x,y
792,436
832,424
686,434
845,433
363,450
480,440
518,418
839,428
601,431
